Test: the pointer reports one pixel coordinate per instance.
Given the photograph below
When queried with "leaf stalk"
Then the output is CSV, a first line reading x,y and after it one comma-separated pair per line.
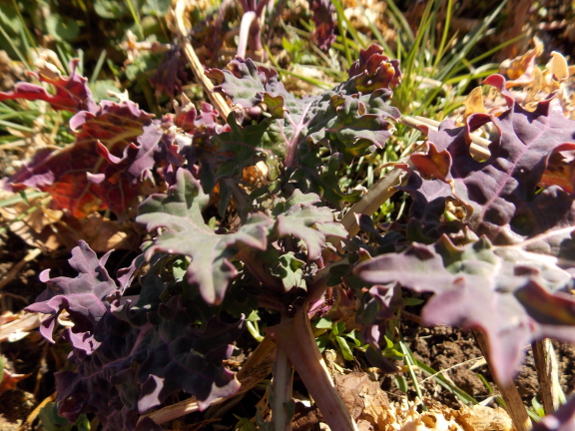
x,y
296,337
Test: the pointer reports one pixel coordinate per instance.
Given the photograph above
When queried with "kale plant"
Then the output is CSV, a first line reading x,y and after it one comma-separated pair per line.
x,y
491,238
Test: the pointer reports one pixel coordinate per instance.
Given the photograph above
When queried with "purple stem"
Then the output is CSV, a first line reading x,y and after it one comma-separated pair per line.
x,y
294,141
295,336
282,387
248,19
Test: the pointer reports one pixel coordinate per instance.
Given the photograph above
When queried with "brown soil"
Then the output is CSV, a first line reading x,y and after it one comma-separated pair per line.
x,y
453,351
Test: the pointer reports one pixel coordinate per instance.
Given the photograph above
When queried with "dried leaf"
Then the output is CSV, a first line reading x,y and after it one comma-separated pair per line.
x,y
558,66
10,380
474,103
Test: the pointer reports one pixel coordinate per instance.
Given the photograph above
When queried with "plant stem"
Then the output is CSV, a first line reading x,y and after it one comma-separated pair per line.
x,y
509,393
245,27
283,381
295,336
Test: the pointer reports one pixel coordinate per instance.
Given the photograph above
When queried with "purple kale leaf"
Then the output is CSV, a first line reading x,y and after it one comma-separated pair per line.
x,y
184,231
72,92
130,357
86,298
499,231
502,195
512,295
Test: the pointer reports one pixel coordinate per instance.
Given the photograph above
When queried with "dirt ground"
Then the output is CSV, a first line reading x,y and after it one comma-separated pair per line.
x,y
454,350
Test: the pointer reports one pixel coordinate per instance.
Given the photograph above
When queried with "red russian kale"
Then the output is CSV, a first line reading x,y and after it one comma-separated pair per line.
x,y
499,231
130,357
116,145
72,92
351,120
183,231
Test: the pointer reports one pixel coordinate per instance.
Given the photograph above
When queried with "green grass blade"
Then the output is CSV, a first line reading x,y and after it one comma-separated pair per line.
x,y
16,126
340,21
13,200
98,67
378,36
446,26
341,17
440,379
410,361
457,63
21,57
136,18
463,49
64,59
29,39
400,22
497,48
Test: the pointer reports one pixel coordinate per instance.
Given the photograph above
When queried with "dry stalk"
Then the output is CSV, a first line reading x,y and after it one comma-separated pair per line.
x,y
547,374
217,99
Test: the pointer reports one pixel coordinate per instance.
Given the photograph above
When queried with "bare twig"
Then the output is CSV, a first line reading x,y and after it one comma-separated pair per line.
x,y
375,197
217,100
33,254
23,323
32,416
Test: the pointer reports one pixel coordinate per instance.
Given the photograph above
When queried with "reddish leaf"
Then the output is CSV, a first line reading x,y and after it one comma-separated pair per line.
x,y
72,92
374,70
561,168
434,164
93,173
323,17
9,380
